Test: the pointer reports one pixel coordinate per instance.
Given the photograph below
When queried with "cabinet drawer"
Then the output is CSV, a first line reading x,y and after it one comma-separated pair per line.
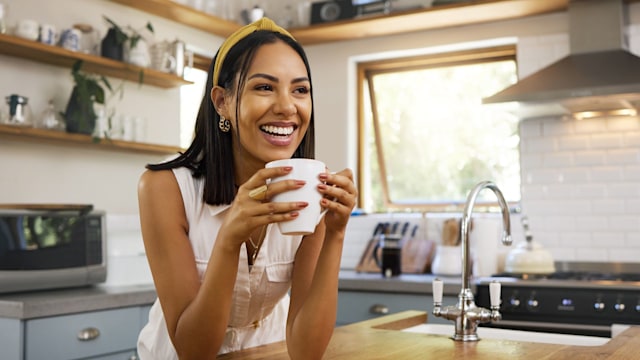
x,y
354,306
60,337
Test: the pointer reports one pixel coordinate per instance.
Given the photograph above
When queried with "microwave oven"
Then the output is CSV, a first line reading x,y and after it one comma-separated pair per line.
x,y
51,246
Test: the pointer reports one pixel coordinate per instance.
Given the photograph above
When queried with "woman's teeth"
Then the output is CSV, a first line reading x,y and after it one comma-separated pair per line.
x,y
277,130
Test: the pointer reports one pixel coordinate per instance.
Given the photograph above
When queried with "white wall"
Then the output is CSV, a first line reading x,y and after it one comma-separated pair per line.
x,y
32,171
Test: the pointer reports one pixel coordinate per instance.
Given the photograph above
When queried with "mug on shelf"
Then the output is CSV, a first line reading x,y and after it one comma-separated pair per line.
x,y
48,34
27,29
70,39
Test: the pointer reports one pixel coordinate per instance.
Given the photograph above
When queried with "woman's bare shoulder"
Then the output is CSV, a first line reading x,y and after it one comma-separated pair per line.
x,y
157,180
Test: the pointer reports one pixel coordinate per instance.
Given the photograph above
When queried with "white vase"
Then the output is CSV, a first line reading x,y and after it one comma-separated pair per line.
x,y
139,55
447,261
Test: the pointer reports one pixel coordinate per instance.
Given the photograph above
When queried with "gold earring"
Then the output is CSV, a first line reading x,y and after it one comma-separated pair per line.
x,y
224,124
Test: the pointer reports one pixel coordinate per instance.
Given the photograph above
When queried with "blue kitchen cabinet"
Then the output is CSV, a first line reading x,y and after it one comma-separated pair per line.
x,y
102,335
355,306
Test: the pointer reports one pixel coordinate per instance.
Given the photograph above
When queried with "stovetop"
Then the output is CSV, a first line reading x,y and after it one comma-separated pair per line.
x,y
576,275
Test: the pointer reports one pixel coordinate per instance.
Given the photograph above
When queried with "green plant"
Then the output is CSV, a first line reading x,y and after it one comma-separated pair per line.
x,y
128,34
79,115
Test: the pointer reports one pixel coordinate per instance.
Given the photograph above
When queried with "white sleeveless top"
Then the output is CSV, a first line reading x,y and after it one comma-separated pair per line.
x,y
260,296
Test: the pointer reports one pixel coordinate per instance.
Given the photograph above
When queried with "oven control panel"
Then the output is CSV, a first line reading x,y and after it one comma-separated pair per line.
x,y
598,306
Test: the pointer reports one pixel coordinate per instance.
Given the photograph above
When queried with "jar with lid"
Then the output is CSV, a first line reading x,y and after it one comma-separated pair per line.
x,y
19,112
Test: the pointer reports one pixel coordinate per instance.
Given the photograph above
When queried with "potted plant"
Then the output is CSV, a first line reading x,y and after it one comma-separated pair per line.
x,y
113,44
79,115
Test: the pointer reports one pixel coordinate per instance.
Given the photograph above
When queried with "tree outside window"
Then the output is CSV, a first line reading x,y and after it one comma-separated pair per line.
x,y
426,138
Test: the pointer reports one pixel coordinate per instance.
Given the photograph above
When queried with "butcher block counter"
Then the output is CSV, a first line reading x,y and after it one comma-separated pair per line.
x,y
381,338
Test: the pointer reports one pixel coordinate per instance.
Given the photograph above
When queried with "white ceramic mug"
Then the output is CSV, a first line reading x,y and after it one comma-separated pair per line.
x,y
48,34
307,170
28,29
70,39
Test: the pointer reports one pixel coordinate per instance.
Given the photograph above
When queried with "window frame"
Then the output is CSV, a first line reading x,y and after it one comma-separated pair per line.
x,y
366,69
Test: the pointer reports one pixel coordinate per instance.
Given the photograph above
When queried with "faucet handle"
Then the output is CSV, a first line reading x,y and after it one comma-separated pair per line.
x,y
437,287
494,294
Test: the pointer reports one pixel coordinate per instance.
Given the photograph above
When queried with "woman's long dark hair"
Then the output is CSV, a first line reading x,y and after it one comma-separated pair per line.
x,y
211,151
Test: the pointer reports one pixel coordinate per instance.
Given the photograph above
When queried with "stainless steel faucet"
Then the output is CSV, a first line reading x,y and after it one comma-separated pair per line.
x,y
466,314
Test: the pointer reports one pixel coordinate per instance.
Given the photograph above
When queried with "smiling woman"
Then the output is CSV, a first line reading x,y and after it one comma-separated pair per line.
x,y
220,267
426,138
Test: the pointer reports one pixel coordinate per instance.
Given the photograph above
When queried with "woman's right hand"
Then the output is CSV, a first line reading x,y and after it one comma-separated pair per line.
x,y
249,213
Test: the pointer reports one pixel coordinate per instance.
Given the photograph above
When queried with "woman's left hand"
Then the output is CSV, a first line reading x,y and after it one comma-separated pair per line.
x,y
340,195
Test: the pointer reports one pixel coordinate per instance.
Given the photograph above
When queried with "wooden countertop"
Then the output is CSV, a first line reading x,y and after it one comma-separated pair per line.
x,y
380,338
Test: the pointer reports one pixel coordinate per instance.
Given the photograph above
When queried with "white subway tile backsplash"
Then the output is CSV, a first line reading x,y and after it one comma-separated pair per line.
x,y
628,191
608,239
631,139
633,205
625,222
563,253
608,206
575,175
606,141
538,145
623,123
553,127
589,158
529,160
589,191
575,239
530,129
592,224
585,195
624,254
556,225
591,254
575,142
558,159
606,174
590,126
632,238
632,173
623,156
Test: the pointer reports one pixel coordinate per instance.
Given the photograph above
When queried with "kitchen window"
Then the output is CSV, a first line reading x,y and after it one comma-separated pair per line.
x,y
425,139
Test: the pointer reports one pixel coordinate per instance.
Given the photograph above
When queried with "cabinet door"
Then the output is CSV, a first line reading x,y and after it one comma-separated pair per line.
x,y
82,335
11,339
354,306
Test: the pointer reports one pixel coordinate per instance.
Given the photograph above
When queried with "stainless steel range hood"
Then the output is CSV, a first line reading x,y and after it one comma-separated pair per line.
x,y
598,76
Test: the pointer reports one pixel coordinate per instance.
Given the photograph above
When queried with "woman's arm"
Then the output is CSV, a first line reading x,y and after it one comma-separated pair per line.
x,y
196,315
314,292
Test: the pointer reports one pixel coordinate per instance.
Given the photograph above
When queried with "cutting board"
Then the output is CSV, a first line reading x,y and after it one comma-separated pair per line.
x,y
417,255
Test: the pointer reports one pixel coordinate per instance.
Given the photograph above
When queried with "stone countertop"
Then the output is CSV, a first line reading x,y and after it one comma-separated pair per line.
x,y
404,283
37,304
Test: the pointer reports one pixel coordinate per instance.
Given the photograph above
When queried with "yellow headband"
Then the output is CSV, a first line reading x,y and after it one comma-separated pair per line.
x,y
262,24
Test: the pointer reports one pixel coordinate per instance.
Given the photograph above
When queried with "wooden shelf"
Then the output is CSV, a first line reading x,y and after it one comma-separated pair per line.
x,y
185,15
464,13
442,16
64,138
55,55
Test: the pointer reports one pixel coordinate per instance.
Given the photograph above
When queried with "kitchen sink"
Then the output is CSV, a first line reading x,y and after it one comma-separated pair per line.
x,y
517,335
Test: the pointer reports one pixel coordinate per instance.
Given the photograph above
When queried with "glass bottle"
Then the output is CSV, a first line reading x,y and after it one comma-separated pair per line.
x,y
3,22
49,119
